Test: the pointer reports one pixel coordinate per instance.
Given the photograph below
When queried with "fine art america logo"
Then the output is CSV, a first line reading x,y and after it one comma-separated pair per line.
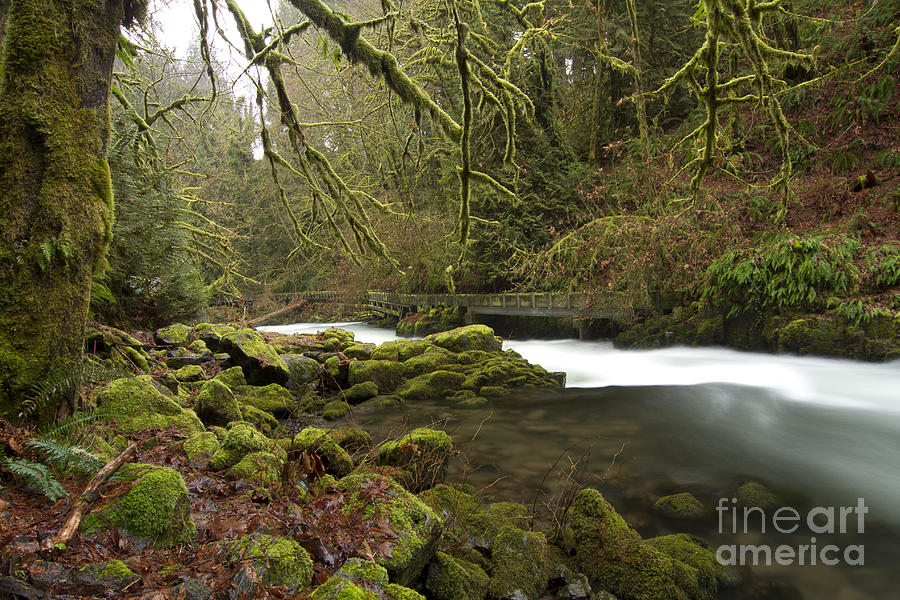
x,y
821,520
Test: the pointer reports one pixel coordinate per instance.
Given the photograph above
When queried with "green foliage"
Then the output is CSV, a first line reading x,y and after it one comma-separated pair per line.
x,y
857,311
64,457
56,386
37,475
881,266
796,273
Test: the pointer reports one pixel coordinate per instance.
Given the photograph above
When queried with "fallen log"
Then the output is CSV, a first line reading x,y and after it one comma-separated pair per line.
x,y
88,497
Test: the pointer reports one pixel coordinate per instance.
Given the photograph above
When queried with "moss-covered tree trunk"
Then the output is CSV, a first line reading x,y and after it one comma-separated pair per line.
x,y
55,194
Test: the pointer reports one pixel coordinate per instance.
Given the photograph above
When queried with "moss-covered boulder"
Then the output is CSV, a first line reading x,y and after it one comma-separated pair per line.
x,y
351,438
521,564
423,453
104,577
272,398
358,579
680,506
431,360
241,439
301,370
359,351
261,363
752,493
260,419
386,374
417,526
212,334
140,405
216,404
506,370
190,374
361,392
335,409
431,386
156,511
615,557
258,468
400,350
233,377
451,578
335,459
200,445
470,337
384,401
270,561
173,335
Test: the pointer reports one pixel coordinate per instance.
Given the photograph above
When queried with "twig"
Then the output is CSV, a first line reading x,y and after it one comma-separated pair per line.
x,y
88,497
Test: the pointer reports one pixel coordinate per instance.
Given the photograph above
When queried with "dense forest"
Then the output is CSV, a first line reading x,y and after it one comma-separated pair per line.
x,y
710,172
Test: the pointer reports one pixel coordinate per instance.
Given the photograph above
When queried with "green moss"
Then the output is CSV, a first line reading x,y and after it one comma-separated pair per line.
x,y
199,444
173,335
190,373
454,579
261,363
216,404
431,386
400,350
260,419
276,560
359,351
431,360
338,588
241,439
680,506
156,508
385,401
493,391
423,452
692,551
324,482
233,377
416,524
336,409
116,568
110,575
142,406
386,374
752,493
361,392
351,439
136,357
470,337
198,347
258,468
302,369
334,457
272,398
392,591
520,560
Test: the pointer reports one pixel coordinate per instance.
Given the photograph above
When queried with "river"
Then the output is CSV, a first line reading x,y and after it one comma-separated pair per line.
x,y
640,424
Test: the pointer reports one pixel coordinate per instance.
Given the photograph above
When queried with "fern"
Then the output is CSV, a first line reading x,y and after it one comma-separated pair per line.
x,y
74,424
36,475
56,385
64,457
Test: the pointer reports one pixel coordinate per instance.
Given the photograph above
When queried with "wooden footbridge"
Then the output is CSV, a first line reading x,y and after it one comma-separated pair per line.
x,y
528,304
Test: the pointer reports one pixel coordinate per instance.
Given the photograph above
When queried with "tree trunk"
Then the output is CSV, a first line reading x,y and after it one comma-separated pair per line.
x,y
56,205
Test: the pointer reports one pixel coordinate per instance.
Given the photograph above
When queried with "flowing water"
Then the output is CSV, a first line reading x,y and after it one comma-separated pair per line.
x,y
641,424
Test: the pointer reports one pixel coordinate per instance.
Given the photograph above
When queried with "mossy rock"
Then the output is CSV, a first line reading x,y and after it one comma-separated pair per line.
x,y
173,335
361,392
752,493
240,440
272,398
615,558
431,360
493,391
400,350
199,347
431,386
156,510
386,374
470,337
423,452
212,335
335,409
272,561
260,419
140,405
258,468
450,578
190,374
261,364
107,576
216,404
521,566
417,526
200,444
693,552
339,334
358,579
334,457
472,357
511,513
680,506
351,439
301,370
385,401
359,351
233,377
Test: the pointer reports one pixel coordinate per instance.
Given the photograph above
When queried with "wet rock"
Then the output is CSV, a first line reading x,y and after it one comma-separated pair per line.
x,y
261,364
386,374
361,392
173,335
578,589
216,404
470,337
301,370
